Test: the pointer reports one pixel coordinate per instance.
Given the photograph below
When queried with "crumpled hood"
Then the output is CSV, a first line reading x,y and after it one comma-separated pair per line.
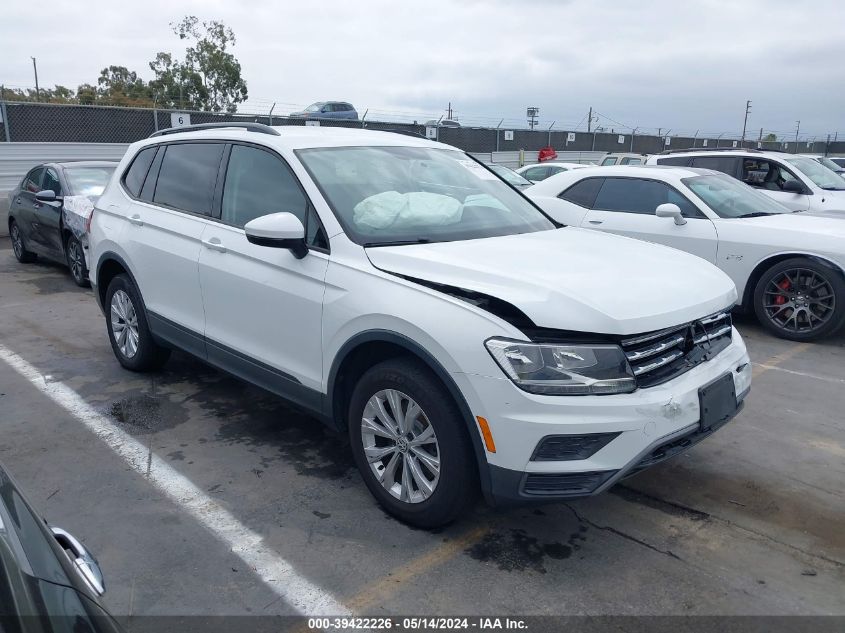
x,y
573,279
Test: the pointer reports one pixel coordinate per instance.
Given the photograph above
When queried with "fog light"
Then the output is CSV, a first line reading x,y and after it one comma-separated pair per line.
x,y
564,448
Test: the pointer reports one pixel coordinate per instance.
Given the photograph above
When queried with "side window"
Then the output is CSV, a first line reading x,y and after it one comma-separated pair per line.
x,y
315,234
148,190
188,175
137,172
725,164
610,160
535,173
583,193
674,161
32,182
51,182
556,170
631,161
634,195
259,183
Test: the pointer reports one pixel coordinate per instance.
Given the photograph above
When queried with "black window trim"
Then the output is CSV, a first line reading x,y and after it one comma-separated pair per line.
x,y
123,185
58,178
737,173
701,216
43,168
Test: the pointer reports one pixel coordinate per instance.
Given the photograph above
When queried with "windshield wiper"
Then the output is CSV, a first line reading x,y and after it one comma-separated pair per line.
x,y
756,214
421,240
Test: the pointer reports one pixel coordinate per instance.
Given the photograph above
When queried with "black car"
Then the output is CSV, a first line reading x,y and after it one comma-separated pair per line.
x,y
48,580
36,219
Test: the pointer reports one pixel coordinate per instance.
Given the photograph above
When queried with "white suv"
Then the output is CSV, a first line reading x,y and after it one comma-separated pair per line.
x,y
399,290
797,182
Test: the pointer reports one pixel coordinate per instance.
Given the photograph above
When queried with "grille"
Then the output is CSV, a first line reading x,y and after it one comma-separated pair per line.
x,y
565,484
660,356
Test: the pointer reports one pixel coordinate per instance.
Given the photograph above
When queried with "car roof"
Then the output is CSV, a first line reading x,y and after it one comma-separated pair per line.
x,y
292,137
747,153
656,172
86,163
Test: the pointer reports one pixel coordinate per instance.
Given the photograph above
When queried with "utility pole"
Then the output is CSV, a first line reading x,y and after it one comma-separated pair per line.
x,y
797,128
590,119
35,68
745,123
449,111
760,138
532,113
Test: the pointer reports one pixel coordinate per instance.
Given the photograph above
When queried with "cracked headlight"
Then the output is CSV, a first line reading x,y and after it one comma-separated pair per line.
x,y
563,369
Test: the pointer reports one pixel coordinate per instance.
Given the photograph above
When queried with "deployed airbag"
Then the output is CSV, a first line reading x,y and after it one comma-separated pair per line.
x,y
397,210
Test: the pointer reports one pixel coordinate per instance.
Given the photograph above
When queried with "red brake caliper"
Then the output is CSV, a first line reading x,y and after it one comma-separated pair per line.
x,y
785,286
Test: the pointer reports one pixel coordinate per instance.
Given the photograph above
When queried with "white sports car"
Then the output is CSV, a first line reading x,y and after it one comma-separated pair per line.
x,y
789,268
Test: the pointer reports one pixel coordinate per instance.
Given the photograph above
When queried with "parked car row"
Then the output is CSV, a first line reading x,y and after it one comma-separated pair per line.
x,y
470,332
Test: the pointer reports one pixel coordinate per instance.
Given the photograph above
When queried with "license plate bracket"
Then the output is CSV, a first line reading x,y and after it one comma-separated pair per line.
x,y
717,402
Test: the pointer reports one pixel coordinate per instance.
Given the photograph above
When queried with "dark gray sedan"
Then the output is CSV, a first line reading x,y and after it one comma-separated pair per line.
x,y
48,580
36,221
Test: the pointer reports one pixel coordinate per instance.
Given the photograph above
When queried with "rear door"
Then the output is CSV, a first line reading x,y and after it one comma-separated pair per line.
x,y
166,221
263,306
626,206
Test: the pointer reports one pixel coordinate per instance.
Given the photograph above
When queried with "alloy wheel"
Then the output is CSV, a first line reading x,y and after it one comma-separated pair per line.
x,y
400,446
799,300
124,323
17,241
75,259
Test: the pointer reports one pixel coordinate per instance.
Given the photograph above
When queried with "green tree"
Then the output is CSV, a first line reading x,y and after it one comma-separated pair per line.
x,y
117,85
770,138
209,77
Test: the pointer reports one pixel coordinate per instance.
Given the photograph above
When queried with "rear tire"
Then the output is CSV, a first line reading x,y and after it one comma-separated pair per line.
x,y
421,469
129,333
75,257
19,245
800,299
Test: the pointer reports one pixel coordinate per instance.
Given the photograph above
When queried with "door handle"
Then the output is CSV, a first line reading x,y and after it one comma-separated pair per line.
x,y
596,221
136,220
18,200
214,244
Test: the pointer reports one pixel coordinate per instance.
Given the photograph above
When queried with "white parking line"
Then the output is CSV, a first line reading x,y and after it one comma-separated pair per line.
x,y
301,594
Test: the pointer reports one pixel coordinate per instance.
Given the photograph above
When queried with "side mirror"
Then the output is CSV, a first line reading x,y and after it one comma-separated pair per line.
x,y
278,230
669,210
793,186
49,196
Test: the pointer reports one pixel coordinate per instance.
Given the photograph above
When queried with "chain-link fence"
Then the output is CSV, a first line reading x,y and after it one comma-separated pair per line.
x,y
30,122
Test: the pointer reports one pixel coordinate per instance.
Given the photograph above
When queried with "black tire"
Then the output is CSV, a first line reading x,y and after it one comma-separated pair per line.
x,y
75,257
817,292
148,355
458,482
19,245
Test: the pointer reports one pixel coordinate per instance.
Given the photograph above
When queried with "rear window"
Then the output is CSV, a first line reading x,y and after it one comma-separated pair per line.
x,y
134,178
188,175
583,193
725,164
674,161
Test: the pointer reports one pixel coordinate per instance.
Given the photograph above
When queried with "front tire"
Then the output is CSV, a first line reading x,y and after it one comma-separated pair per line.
x,y
410,444
19,245
76,262
800,299
129,333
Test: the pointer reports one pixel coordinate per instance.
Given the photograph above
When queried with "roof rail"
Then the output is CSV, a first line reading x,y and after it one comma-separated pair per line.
x,y
714,149
249,127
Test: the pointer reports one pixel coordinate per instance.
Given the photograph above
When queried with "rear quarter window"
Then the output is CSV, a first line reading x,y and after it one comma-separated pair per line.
x,y
137,172
583,193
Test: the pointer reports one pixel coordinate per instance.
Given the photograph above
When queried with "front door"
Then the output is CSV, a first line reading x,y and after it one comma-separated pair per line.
x,y
263,306
626,206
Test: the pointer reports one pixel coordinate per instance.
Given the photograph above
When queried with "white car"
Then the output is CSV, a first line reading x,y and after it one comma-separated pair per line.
x,y
541,171
401,292
788,267
827,162
797,182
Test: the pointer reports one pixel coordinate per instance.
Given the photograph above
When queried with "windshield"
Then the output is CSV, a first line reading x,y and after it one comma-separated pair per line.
x,y
88,181
730,198
384,195
818,173
510,176
829,163
314,107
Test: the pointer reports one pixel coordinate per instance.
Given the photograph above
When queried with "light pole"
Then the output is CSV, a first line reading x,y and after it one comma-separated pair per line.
x,y
745,123
797,128
35,69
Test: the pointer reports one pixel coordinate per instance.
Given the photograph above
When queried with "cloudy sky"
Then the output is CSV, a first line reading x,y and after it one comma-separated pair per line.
x,y
678,65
